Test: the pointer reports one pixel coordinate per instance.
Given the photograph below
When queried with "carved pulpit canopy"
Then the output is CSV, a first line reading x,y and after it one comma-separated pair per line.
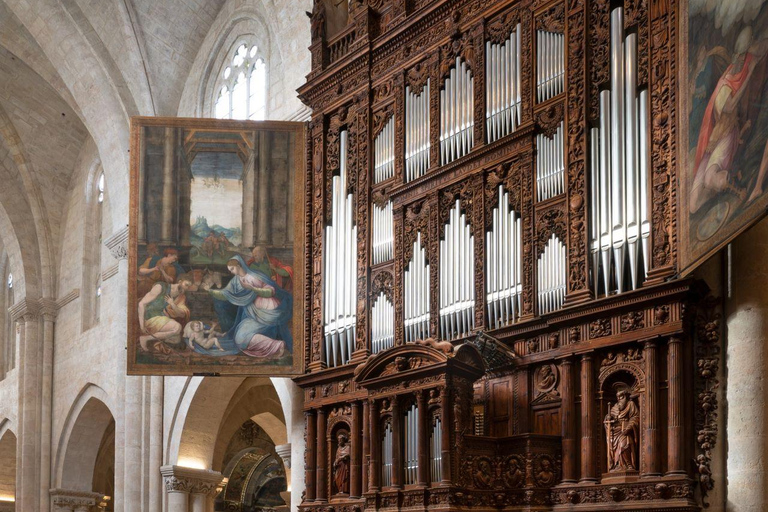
x,y
417,362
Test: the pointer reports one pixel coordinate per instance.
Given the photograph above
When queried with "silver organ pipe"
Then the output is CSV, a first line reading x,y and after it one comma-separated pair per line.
x,y
382,233
384,153
550,64
416,294
457,118
382,324
386,457
416,132
340,283
619,221
550,165
551,276
436,451
502,86
457,276
503,257
411,444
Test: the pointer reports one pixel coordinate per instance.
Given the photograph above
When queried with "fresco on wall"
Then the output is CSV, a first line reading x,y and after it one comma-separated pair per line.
x,y
215,223
724,150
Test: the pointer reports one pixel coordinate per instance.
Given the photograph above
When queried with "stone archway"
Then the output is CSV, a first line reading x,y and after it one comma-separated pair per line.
x,y
7,468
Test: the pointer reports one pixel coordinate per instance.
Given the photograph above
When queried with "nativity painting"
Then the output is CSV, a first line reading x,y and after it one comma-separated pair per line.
x,y
216,244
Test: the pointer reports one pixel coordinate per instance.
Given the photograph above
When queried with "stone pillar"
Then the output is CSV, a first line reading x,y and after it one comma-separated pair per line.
x,y
157,384
374,461
263,210
423,439
445,419
676,407
169,186
190,489
568,422
310,465
652,441
397,445
249,193
321,481
587,420
355,478
46,425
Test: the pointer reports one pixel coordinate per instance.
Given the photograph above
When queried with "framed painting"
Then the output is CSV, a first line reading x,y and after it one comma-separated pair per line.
x,y
723,145
216,247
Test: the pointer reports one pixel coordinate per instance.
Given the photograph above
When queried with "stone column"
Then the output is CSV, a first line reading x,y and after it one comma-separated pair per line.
x,y
652,441
355,480
374,461
310,465
568,422
321,481
423,439
157,390
191,489
169,186
263,210
587,420
48,313
249,193
397,445
676,407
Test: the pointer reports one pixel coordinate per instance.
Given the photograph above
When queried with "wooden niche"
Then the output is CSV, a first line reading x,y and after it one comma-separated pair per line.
x,y
479,336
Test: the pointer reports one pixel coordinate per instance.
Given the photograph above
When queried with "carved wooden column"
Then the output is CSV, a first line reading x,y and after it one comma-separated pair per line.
x,y
366,445
445,419
676,407
169,186
652,441
588,438
374,468
423,442
397,445
355,455
311,463
568,421
321,482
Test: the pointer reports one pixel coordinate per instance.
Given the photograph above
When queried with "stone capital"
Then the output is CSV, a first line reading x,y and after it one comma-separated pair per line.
x,y
117,243
192,480
65,499
284,452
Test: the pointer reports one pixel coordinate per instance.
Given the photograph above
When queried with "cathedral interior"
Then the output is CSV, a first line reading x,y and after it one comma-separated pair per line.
x,y
532,257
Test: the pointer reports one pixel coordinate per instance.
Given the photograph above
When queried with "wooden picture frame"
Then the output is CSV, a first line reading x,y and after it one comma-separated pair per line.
x,y
721,170
217,247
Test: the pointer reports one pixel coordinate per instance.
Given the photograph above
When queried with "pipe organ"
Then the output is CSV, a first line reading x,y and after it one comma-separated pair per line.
x,y
457,113
340,267
503,91
457,276
620,225
417,139
493,292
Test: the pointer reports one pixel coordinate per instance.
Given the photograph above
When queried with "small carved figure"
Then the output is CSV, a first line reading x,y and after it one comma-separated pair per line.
x,y
483,474
513,476
546,378
545,477
705,474
621,429
443,346
341,464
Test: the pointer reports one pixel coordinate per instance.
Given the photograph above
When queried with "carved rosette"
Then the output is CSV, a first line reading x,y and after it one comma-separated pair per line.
x,y
548,120
551,220
552,20
382,282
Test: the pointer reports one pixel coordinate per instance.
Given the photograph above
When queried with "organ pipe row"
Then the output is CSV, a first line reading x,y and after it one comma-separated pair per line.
x,y
550,165
503,94
551,276
550,64
457,118
416,132
411,445
382,324
619,221
382,233
457,276
436,451
386,457
504,264
340,292
384,153
416,294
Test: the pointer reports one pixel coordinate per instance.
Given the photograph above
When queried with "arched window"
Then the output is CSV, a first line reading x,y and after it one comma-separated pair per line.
x,y
8,332
92,288
243,86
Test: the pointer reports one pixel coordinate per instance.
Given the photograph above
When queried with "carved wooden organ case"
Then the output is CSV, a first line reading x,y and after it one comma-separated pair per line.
x,y
495,319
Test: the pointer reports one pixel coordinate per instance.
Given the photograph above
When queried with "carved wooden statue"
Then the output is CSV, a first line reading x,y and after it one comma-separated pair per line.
x,y
341,464
621,430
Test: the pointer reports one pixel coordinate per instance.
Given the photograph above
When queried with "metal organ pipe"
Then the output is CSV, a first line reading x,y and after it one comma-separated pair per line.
x,y
551,275
550,165
550,64
411,444
382,233
619,221
457,113
382,324
503,91
386,457
384,149
436,452
416,296
457,276
503,256
417,132
340,283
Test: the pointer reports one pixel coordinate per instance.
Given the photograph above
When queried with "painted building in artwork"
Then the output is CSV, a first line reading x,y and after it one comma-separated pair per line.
x,y
583,390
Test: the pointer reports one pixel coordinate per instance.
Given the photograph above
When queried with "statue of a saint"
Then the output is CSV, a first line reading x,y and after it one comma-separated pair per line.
x,y
341,464
621,430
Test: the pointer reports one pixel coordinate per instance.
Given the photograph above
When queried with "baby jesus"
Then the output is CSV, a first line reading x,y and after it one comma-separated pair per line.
x,y
195,332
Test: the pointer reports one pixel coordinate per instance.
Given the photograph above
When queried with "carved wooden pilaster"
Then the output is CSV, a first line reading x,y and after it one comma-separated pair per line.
x,y
397,445
398,227
434,112
676,407
399,128
366,448
445,419
478,77
568,421
423,439
310,458
433,251
321,493
652,442
529,258
588,435
317,361
478,231
355,477
374,467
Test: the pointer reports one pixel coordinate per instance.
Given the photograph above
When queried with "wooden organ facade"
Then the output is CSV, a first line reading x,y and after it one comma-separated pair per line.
x,y
495,318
